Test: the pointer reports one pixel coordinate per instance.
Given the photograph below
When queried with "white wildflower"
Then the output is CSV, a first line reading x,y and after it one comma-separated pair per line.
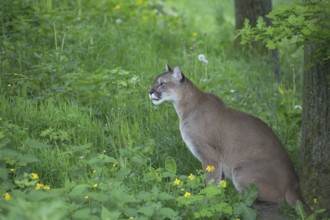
x,y
202,58
298,107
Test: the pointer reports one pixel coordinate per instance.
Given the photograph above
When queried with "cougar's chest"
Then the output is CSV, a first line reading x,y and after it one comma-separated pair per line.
x,y
190,139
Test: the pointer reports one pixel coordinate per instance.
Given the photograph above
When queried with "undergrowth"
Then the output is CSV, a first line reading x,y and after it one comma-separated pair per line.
x,y
79,138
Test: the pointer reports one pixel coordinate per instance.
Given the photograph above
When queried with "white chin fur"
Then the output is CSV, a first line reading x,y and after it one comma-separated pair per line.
x,y
156,102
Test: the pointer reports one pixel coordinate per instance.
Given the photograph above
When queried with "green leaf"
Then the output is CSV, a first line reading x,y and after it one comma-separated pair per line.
x,y
204,212
108,159
34,144
9,156
99,196
78,192
250,194
123,197
292,19
147,210
300,209
101,159
224,207
144,196
27,159
247,24
123,172
212,191
107,215
260,23
139,160
165,196
167,213
270,31
131,211
170,164
82,214
270,45
306,31
241,209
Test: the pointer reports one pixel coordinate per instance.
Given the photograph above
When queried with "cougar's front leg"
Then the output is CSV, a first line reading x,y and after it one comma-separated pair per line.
x,y
213,171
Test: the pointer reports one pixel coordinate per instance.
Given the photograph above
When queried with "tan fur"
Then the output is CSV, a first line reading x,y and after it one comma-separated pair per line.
x,y
241,146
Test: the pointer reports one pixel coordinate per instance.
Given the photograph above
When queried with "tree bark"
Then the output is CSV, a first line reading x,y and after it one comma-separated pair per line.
x,y
315,144
252,10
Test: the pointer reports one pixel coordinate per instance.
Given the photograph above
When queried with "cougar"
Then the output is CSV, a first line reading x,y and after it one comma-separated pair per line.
x,y
236,144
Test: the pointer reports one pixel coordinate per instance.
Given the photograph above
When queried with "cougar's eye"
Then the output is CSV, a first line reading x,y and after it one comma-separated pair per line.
x,y
161,83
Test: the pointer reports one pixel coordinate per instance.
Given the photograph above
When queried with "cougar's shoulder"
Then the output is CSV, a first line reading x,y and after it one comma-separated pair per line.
x,y
212,96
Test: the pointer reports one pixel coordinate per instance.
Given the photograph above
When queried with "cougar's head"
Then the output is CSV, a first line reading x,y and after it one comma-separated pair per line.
x,y
165,85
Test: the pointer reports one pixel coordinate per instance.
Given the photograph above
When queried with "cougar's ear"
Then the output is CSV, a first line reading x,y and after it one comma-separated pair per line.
x,y
168,68
178,74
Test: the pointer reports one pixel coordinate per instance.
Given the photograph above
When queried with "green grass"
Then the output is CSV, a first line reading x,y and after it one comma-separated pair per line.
x,y
74,107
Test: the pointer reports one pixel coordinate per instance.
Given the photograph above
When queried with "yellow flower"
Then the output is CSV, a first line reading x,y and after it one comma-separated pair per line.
x,y
7,196
94,171
86,197
176,182
209,169
191,177
223,183
315,200
187,195
46,187
131,218
12,170
34,176
39,186
194,34
237,219
117,7
94,185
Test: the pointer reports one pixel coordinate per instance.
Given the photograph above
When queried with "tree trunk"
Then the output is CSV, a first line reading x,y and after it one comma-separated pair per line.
x,y
315,144
252,10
